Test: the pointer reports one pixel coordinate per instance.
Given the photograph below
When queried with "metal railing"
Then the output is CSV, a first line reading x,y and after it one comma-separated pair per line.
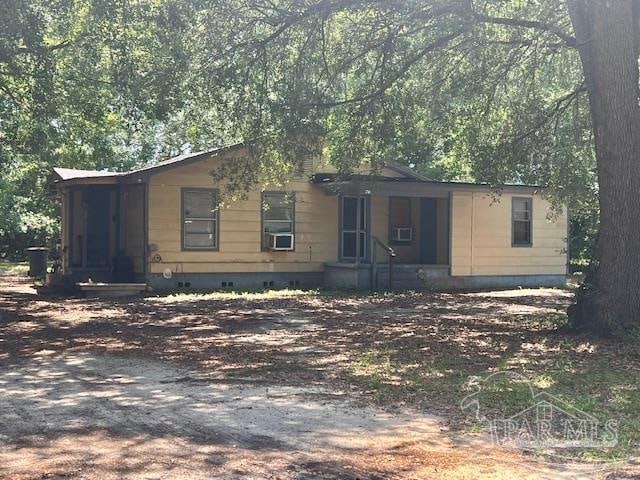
x,y
376,242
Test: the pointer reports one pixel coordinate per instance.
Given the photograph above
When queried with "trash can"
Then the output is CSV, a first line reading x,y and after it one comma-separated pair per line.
x,y
37,261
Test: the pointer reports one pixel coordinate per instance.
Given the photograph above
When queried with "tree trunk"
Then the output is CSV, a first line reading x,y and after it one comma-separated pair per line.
x,y
609,303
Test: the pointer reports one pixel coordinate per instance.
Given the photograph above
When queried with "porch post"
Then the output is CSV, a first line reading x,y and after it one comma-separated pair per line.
x,y
357,263
119,223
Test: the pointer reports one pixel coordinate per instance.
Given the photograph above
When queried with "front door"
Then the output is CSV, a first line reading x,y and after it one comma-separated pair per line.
x,y
350,230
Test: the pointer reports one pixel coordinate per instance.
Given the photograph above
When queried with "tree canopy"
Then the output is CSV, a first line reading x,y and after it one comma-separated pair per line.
x,y
488,91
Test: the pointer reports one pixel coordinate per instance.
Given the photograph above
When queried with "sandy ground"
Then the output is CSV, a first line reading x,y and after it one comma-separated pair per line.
x,y
89,413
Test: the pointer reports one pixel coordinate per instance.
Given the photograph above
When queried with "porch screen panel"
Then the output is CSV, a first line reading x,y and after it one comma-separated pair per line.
x,y
98,219
400,212
200,219
349,227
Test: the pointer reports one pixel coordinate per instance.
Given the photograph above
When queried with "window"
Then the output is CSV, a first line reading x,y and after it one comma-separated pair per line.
x,y
277,214
521,222
199,219
349,227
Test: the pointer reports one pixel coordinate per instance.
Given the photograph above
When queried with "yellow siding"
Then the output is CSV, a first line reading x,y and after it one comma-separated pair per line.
x,y
481,237
240,249
480,243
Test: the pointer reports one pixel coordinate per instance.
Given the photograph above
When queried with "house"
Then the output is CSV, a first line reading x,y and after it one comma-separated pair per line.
x,y
168,226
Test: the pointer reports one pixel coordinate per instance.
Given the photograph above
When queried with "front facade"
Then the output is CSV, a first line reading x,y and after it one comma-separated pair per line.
x,y
170,227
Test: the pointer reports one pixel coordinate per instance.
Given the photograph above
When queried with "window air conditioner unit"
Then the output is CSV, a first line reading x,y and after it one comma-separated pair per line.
x,y
280,241
402,234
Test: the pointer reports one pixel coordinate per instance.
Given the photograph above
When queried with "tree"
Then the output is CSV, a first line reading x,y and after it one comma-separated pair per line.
x,y
494,91
497,91
84,84
608,40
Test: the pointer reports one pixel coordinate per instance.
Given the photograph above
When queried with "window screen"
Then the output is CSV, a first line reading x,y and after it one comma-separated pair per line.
x,y
200,219
521,221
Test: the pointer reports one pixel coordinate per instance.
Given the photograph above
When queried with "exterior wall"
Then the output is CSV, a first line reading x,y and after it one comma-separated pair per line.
x,y
233,280
240,248
481,237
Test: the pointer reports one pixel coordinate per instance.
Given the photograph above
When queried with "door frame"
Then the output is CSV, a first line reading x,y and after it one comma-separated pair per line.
x,y
367,231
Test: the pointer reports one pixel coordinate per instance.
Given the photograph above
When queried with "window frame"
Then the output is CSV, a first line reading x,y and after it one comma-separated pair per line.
x,y
529,201
216,193
292,196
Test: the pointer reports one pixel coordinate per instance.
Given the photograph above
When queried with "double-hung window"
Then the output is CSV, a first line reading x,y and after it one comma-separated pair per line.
x,y
200,219
521,222
278,215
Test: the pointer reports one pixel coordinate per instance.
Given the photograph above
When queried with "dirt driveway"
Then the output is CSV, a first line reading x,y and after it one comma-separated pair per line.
x,y
222,386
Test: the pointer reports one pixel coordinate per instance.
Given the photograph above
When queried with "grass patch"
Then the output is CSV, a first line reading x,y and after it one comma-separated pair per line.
x,y
520,358
13,268
198,296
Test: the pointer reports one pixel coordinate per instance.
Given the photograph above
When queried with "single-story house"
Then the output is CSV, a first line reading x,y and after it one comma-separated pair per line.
x,y
166,225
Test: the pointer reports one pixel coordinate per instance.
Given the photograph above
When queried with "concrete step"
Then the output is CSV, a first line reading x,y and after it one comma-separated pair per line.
x,y
413,277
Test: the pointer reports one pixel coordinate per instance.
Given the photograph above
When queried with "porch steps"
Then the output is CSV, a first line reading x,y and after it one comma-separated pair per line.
x,y
111,290
412,277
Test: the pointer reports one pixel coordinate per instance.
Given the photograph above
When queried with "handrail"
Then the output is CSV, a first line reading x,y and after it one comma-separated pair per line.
x,y
386,247
391,252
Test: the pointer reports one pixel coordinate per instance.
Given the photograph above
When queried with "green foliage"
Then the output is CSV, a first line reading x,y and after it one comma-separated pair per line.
x,y
85,84
441,86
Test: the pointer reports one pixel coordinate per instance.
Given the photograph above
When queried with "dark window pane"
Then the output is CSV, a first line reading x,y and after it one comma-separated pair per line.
x,y
277,206
199,226
199,240
521,209
349,245
199,204
521,233
349,213
278,227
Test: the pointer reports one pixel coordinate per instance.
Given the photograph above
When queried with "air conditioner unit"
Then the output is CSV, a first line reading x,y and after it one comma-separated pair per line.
x,y
280,241
402,234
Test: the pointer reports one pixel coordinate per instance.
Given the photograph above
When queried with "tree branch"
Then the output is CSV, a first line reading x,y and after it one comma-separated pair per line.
x,y
523,23
436,44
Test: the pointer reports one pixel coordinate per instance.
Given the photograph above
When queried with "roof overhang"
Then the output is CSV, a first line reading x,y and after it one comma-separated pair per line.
x,y
404,187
